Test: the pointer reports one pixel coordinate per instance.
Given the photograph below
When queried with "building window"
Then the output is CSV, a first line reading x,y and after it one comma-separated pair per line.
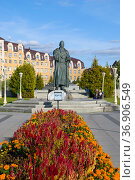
x,y
50,70
5,60
28,56
78,65
28,62
1,68
15,61
9,75
74,77
15,55
42,76
20,48
74,71
20,62
46,70
37,56
10,68
71,78
41,63
37,63
70,71
46,57
10,61
10,47
46,64
20,55
41,69
79,77
15,68
37,70
2,61
10,55
5,54
0,46
33,63
78,71
46,77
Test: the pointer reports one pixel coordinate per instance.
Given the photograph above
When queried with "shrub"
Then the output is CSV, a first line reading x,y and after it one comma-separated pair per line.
x,y
28,81
39,82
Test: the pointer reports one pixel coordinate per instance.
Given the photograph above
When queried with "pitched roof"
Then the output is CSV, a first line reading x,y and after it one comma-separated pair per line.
x,y
1,38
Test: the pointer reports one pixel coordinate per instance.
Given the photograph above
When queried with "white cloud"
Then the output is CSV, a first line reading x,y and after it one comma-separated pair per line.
x,y
66,3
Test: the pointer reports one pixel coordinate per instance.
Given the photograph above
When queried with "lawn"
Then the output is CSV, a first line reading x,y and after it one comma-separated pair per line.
x,y
9,100
111,100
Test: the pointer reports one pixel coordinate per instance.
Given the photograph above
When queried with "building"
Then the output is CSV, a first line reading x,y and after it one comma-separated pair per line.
x,y
13,55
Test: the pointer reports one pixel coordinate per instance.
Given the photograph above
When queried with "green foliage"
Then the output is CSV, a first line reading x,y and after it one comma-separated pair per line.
x,y
28,80
92,79
117,65
76,81
39,82
51,79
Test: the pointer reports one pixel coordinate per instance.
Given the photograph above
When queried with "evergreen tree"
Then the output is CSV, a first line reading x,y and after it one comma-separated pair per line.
x,y
28,80
51,79
92,79
39,82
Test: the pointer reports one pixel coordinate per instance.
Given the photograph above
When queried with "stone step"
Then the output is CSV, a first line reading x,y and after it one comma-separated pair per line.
x,y
20,105
15,109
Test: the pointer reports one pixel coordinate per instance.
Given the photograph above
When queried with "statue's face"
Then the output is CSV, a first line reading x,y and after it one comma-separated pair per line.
x,y
62,44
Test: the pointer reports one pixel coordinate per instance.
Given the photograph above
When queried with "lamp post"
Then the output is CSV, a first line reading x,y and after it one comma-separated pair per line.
x,y
103,73
115,77
20,74
1,86
5,95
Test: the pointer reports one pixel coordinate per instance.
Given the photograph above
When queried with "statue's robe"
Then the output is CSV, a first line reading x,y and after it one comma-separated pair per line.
x,y
61,72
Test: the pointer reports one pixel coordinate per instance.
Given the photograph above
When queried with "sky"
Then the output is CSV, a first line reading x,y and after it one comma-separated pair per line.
x,y
88,28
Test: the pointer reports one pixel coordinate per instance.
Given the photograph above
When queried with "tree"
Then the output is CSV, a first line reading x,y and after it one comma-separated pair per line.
x,y
39,82
117,65
92,79
28,80
51,79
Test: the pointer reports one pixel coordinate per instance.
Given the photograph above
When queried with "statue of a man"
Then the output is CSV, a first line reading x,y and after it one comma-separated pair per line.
x,y
61,72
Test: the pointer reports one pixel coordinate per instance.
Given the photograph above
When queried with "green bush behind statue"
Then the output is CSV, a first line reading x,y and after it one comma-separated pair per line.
x,y
92,79
28,81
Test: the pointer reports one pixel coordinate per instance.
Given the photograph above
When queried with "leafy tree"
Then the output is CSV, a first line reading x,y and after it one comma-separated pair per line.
x,y
39,82
28,80
92,79
117,65
51,79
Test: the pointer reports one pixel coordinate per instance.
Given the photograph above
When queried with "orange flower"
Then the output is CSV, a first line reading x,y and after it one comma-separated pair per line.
x,y
111,170
6,167
98,172
14,165
2,176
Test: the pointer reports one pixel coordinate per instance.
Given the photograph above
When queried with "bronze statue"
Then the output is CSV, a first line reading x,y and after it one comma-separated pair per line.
x,y
61,72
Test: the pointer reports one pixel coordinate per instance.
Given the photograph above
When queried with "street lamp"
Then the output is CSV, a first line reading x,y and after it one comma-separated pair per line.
x,y
1,85
5,96
103,73
115,77
20,74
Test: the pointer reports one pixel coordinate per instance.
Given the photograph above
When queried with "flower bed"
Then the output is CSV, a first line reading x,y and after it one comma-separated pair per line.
x,y
55,145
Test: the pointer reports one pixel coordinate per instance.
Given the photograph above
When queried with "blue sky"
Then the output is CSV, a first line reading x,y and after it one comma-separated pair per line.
x,y
89,28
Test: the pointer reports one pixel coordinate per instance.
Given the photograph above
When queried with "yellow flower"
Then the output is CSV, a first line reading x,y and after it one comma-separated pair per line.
x,y
6,167
2,176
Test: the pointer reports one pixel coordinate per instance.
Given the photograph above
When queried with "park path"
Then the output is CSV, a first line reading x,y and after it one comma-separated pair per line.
x,y
105,127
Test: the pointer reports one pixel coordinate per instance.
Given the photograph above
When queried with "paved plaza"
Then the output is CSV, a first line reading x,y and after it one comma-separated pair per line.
x,y
105,127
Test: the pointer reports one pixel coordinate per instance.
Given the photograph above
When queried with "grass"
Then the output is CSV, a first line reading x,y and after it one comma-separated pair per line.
x,y
10,99
111,100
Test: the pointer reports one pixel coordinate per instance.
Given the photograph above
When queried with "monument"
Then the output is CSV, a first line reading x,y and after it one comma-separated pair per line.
x,y
61,72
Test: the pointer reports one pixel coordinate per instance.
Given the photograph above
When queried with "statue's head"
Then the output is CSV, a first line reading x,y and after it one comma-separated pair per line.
x,y
61,44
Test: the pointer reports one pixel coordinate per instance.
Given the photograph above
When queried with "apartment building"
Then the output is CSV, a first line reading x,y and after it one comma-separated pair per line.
x,y
13,55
